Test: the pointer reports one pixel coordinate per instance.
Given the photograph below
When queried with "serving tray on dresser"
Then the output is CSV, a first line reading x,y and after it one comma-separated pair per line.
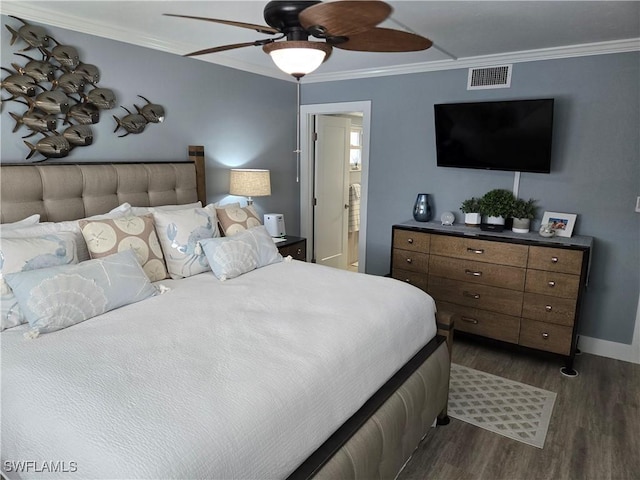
x,y
518,289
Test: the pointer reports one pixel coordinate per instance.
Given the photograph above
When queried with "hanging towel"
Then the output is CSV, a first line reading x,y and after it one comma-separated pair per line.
x,y
354,207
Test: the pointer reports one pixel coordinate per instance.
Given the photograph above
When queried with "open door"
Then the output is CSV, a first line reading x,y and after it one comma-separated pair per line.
x,y
331,204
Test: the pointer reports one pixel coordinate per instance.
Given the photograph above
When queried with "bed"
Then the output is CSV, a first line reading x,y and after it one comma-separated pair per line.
x,y
289,370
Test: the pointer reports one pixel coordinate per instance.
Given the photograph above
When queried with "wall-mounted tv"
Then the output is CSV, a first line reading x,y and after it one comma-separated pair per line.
x,y
510,135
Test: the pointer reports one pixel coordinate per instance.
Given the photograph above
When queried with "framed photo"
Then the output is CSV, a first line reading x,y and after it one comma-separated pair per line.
x,y
562,223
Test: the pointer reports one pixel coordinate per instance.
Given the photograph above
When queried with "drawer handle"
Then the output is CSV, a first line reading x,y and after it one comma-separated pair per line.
x,y
548,308
407,280
554,259
472,273
471,295
478,251
299,251
409,260
545,335
469,320
409,240
552,283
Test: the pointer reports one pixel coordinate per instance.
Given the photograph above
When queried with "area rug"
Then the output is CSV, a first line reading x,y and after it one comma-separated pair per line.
x,y
515,410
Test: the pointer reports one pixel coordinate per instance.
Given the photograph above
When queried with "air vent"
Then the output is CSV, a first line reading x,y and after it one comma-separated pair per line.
x,y
489,77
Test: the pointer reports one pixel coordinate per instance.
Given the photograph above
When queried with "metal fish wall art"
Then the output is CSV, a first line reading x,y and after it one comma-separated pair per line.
x,y
34,36
152,112
54,146
132,123
57,86
79,135
35,121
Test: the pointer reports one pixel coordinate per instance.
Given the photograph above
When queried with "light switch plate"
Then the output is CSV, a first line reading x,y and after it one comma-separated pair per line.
x,y
638,204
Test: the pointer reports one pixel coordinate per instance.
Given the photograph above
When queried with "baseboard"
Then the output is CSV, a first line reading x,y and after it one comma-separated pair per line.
x,y
605,348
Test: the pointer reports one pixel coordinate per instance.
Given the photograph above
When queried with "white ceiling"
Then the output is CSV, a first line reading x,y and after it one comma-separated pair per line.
x,y
465,33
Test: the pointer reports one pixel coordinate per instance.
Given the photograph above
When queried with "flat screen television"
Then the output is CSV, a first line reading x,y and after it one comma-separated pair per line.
x,y
512,135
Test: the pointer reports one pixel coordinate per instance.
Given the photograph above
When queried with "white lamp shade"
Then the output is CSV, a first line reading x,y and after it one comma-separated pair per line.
x,y
249,182
298,58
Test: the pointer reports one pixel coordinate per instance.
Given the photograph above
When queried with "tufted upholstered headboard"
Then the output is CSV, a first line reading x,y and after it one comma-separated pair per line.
x,y
61,192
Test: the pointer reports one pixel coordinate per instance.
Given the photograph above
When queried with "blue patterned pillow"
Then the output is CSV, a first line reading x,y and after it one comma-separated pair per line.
x,y
30,253
58,297
230,257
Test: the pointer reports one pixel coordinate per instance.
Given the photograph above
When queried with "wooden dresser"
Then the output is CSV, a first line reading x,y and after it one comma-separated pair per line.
x,y
521,289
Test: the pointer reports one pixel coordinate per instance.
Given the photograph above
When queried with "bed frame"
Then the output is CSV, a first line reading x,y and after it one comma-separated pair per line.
x,y
378,440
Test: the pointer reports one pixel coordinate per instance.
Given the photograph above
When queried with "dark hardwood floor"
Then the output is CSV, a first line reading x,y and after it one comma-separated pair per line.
x,y
594,431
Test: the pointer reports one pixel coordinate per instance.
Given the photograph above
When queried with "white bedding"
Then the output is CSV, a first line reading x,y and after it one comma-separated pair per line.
x,y
236,379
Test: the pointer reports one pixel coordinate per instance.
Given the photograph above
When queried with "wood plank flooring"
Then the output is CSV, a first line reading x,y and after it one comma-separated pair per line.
x,y
594,431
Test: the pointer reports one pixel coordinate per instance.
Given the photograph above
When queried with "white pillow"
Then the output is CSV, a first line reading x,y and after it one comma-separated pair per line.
x,y
230,257
30,253
179,233
25,222
164,208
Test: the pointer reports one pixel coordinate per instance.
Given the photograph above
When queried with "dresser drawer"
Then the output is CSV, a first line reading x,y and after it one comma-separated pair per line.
x,y
552,283
488,324
416,279
412,261
545,336
474,295
555,260
480,250
549,309
415,241
477,272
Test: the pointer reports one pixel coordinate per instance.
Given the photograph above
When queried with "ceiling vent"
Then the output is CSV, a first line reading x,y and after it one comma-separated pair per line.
x,y
489,77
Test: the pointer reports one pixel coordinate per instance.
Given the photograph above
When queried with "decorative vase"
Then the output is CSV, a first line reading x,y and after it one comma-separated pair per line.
x,y
422,208
521,225
472,219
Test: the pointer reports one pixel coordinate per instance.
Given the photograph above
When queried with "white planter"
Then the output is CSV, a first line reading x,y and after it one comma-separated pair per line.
x,y
521,225
472,219
495,220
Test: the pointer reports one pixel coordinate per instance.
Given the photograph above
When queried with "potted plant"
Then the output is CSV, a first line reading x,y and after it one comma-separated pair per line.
x,y
523,212
496,205
471,209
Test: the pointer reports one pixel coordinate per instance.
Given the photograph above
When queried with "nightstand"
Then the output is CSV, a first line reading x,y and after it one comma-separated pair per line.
x,y
294,246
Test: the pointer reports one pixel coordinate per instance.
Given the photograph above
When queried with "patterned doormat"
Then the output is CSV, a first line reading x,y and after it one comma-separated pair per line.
x,y
512,409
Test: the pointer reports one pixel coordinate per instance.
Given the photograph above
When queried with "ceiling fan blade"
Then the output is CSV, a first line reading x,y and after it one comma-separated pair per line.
x,y
251,26
344,18
385,40
228,47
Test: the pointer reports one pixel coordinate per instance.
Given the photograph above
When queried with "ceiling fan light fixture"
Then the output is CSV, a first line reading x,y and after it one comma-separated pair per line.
x,y
298,57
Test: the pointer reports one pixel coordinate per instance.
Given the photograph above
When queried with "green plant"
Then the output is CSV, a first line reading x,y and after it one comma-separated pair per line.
x,y
497,203
524,208
470,205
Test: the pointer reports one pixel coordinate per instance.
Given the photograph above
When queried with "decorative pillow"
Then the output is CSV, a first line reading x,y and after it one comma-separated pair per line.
x,y
23,254
106,237
164,208
58,297
25,222
67,226
230,257
179,232
234,219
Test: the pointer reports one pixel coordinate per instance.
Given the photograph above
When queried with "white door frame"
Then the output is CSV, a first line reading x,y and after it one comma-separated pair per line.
x,y
307,173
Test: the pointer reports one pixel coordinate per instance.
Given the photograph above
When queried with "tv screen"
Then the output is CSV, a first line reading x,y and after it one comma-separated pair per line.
x,y
510,135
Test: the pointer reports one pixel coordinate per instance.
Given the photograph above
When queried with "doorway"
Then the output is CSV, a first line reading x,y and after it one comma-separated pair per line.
x,y
343,243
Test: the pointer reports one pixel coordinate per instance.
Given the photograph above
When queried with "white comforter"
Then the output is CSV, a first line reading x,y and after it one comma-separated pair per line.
x,y
236,379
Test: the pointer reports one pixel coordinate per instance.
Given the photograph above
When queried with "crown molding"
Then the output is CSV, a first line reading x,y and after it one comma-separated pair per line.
x,y
97,28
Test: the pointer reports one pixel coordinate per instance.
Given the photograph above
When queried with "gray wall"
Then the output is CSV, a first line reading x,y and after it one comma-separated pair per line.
x,y
242,119
595,164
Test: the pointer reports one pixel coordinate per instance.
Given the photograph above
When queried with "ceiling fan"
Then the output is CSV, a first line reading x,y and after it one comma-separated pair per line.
x,y
344,24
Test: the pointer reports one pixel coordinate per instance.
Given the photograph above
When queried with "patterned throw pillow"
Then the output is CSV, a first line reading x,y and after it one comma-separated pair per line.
x,y
236,219
230,257
58,297
179,233
30,253
109,236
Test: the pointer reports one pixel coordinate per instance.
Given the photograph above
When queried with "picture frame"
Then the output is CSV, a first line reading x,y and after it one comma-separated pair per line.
x,y
562,223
